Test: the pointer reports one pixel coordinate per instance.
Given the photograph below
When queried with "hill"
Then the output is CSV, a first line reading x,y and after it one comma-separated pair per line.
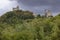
x,y
22,25
17,15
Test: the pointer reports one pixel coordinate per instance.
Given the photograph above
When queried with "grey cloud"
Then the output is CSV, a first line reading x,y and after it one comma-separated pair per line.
x,y
53,4
38,6
39,2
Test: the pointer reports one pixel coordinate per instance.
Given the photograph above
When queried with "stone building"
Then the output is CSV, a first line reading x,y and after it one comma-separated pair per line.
x,y
17,8
48,13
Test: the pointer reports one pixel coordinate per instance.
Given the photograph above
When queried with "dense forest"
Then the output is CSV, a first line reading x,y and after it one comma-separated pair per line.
x,y
23,25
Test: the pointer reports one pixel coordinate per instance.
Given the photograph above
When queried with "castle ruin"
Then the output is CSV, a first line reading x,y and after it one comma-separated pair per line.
x,y
48,13
17,8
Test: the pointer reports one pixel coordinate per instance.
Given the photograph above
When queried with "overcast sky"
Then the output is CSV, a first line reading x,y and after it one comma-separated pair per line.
x,y
36,6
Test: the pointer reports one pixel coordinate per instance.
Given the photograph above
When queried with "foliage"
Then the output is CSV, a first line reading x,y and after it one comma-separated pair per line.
x,y
21,25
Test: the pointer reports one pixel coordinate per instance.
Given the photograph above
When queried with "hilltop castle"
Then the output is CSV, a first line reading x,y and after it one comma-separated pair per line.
x,y
47,13
17,8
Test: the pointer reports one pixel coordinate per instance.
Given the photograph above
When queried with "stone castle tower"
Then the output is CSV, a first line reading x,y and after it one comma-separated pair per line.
x,y
17,8
48,13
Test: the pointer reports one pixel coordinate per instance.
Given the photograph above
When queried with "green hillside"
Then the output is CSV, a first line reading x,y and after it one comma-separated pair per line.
x,y
16,16
23,25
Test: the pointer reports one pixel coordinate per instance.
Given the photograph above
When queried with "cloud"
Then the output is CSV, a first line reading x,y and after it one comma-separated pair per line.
x,y
53,5
6,5
37,6
39,2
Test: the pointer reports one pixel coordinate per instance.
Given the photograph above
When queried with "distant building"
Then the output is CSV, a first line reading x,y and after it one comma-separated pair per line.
x,y
48,13
17,8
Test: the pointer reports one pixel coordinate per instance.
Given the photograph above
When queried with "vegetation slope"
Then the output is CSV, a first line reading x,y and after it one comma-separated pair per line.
x,y
22,25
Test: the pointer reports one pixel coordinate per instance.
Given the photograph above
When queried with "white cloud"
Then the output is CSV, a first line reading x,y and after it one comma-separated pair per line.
x,y
6,5
3,3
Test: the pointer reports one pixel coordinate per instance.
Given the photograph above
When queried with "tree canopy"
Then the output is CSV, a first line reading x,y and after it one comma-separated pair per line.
x,y
22,25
